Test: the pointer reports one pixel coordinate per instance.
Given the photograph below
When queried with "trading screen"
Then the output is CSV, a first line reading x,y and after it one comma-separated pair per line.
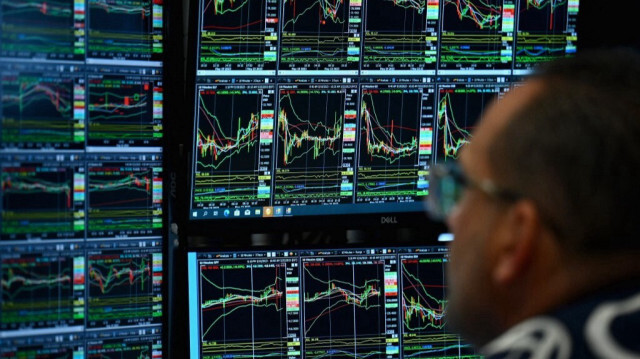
x,y
81,126
316,107
343,303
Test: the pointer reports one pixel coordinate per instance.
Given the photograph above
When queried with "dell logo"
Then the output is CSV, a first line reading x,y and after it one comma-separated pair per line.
x,y
388,220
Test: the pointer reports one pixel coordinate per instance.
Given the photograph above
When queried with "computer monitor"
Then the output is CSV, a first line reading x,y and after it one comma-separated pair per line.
x,y
81,168
333,112
313,303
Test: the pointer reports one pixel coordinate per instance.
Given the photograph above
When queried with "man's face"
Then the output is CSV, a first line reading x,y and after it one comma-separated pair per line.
x,y
475,223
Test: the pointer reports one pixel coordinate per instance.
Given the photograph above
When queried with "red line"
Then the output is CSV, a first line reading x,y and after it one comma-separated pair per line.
x,y
233,28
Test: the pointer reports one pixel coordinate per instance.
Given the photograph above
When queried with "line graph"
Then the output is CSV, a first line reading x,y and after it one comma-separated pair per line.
x,y
229,143
344,310
459,108
124,287
424,306
399,44
477,34
254,294
40,201
390,139
125,29
38,111
42,28
238,34
316,34
123,199
42,290
546,30
121,111
309,146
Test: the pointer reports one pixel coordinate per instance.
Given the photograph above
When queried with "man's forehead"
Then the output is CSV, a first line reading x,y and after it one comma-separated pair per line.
x,y
474,156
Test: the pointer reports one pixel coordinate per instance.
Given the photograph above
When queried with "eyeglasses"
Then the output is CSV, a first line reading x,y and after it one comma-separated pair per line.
x,y
447,183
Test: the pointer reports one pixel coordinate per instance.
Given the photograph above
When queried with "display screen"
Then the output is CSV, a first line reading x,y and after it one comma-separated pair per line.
x,y
81,169
315,303
313,108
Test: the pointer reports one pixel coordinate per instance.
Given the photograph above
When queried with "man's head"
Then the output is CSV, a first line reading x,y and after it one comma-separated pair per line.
x,y
565,146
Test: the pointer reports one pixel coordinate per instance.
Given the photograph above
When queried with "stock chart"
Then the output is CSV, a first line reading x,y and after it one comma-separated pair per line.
x,y
345,306
546,30
124,198
125,29
234,131
124,110
406,43
394,135
124,284
49,29
39,110
312,147
318,35
238,35
477,34
459,107
423,305
42,197
42,287
255,292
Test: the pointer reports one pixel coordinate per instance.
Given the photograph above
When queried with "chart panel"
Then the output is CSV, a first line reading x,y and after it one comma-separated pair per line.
x,y
460,106
349,300
406,43
42,109
315,144
125,29
124,195
124,283
256,289
43,196
237,36
546,30
124,110
233,149
46,30
477,35
424,304
395,137
43,286
320,35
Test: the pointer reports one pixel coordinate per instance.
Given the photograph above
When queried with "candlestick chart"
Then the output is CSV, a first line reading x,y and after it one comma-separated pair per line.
x,y
424,305
124,287
472,34
309,145
233,34
228,145
42,290
121,112
315,34
389,136
398,44
344,310
38,112
254,295
544,27
124,199
39,28
125,29
40,201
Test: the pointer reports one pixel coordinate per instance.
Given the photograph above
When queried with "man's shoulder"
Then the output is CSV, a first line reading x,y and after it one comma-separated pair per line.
x,y
603,325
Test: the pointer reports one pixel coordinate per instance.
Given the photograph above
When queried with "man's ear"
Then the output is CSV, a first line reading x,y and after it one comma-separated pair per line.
x,y
516,244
